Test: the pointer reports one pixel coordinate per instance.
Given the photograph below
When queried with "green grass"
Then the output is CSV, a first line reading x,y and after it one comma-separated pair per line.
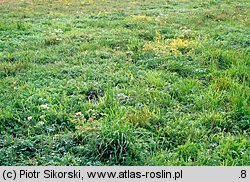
x,y
150,82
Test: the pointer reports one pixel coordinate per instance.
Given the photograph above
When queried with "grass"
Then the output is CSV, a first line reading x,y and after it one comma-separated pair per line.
x,y
124,82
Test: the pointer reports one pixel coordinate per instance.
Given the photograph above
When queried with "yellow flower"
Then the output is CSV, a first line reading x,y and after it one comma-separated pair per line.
x,y
148,47
180,45
141,18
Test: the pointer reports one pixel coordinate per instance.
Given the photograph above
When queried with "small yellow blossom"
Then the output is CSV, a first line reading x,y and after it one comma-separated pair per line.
x,y
141,18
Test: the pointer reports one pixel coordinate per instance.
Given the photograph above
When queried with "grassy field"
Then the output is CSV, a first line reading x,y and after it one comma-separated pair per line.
x,y
124,82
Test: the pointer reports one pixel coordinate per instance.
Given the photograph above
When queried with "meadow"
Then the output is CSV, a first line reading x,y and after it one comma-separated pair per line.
x,y
125,82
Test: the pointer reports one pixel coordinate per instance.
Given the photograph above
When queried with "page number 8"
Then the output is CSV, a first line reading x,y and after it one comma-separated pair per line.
x,y
243,174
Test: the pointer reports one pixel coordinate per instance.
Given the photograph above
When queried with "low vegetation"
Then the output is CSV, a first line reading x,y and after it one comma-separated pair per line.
x,y
124,82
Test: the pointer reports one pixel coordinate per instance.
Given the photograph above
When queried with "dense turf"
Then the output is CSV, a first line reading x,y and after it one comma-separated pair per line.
x,y
122,82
